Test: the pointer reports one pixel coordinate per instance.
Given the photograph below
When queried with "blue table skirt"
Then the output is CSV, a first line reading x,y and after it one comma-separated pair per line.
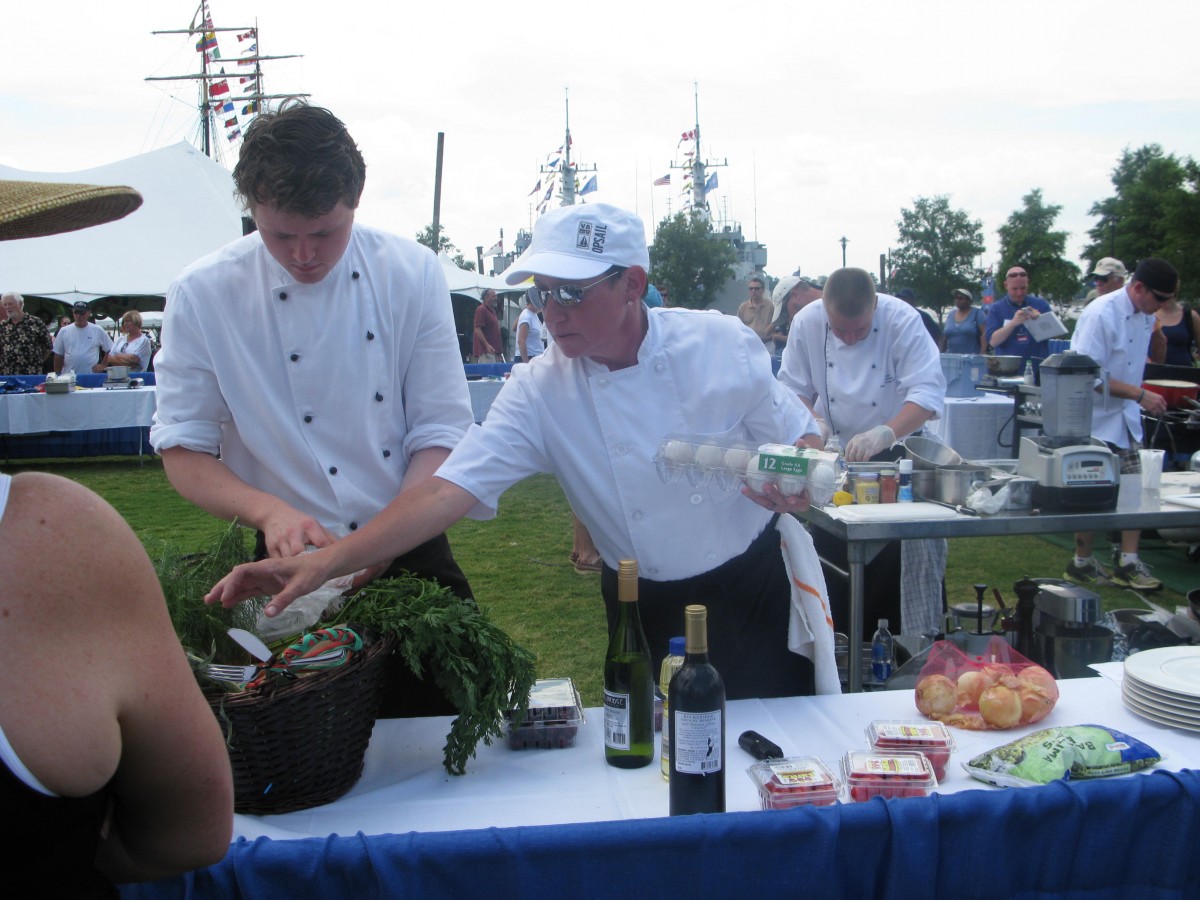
x,y
1116,838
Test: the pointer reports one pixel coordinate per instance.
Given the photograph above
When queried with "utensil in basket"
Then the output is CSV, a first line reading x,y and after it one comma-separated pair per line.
x,y
245,674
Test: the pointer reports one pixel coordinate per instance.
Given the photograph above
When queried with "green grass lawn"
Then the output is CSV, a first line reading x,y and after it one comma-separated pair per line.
x,y
518,567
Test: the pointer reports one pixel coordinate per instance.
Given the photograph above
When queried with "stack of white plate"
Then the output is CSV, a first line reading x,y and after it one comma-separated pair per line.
x,y
1163,686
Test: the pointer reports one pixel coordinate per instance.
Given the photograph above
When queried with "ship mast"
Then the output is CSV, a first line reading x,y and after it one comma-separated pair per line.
x,y
699,168
212,86
568,170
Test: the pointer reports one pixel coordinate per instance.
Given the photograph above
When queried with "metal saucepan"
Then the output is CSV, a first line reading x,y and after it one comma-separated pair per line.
x,y
954,483
1004,365
930,454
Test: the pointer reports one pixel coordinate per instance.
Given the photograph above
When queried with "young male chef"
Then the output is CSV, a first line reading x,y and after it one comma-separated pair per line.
x,y
592,410
310,370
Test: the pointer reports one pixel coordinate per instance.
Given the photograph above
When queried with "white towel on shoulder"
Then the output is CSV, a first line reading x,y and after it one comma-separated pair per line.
x,y
810,628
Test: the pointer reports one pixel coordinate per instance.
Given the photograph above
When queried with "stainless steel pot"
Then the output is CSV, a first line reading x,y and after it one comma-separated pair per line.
x,y
929,454
924,484
954,483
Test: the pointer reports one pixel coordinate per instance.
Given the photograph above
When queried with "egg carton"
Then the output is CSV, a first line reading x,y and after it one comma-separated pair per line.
x,y
702,462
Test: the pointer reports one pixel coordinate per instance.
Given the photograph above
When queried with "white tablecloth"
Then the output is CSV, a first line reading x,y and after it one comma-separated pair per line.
x,y
81,410
404,787
974,426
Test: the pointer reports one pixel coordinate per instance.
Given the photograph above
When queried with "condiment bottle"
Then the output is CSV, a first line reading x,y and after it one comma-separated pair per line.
x,y
904,492
670,665
866,487
888,486
697,704
628,681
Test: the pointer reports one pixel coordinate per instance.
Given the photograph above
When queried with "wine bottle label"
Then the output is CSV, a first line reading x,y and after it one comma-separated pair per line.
x,y
696,740
616,720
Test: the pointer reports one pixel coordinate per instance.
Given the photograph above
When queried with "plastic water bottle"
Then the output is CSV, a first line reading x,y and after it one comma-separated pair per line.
x,y
883,654
1030,377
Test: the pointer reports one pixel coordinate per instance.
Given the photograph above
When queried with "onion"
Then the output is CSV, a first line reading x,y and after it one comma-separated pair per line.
x,y
1000,706
936,695
996,671
1038,676
970,685
1035,705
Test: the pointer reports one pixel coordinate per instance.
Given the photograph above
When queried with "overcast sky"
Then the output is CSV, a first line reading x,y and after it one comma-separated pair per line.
x,y
832,116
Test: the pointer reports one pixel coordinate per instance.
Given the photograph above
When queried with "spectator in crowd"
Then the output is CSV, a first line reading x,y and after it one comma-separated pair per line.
x,y
593,411
78,347
310,371
529,327
1005,330
487,346
1178,330
24,341
864,363
131,349
909,296
1108,276
792,294
965,326
114,769
756,310
1114,330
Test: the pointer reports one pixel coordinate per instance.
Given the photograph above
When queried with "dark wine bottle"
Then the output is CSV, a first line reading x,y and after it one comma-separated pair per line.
x,y
697,707
628,681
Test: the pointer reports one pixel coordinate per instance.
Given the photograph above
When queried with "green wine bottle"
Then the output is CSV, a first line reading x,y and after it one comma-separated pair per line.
x,y
628,681
697,705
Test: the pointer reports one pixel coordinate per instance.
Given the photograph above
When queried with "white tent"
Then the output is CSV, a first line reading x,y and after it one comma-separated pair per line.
x,y
472,284
188,211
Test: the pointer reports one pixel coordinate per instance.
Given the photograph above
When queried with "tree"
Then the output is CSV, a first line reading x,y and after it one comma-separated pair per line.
x,y
689,260
937,251
1153,213
1027,239
425,236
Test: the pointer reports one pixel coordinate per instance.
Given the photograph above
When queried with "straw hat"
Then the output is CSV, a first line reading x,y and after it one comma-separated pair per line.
x,y
35,208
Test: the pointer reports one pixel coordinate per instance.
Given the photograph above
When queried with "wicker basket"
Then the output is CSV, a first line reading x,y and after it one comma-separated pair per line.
x,y
298,744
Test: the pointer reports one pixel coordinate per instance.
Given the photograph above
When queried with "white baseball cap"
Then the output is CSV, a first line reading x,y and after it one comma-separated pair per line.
x,y
582,242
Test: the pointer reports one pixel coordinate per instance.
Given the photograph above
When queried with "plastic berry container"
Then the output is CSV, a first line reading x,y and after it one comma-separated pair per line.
x,y
796,781
933,739
898,773
552,719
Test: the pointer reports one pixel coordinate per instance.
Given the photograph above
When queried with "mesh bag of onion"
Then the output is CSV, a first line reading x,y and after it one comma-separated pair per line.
x,y
1000,689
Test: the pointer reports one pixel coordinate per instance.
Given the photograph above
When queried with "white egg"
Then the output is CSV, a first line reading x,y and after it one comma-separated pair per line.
x,y
737,459
791,485
710,455
678,452
754,478
822,476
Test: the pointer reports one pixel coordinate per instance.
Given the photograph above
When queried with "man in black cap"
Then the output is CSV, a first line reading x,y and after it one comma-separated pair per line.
x,y
82,345
1114,330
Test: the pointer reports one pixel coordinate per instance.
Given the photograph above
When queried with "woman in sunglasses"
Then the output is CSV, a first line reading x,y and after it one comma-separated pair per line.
x,y
592,410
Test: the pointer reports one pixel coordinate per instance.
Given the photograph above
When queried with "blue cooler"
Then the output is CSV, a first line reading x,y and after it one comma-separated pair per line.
x,y
963,371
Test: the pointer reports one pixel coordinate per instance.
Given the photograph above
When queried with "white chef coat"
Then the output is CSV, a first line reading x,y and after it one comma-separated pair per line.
x,y
80,347
1117,336
700,373
855,387
318,394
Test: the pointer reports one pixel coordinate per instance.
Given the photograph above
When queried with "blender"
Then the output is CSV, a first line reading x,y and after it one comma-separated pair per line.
x,y
1071,470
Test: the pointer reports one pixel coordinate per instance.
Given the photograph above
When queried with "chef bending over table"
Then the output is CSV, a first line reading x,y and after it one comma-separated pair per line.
x,y
592,411
866,366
